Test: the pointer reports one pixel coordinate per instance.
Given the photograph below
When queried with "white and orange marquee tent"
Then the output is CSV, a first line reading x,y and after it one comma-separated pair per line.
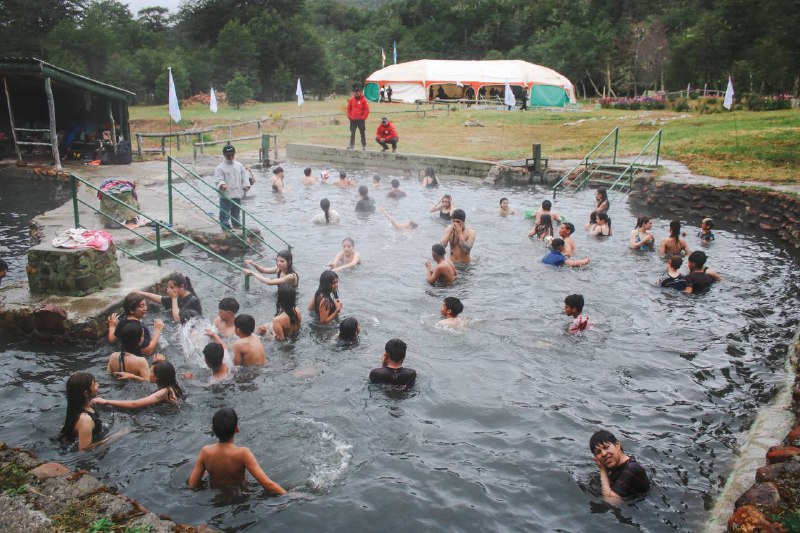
x,y
411,81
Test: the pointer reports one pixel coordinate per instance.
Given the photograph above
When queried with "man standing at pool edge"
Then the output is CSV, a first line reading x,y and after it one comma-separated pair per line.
x,y
358,112
232,183
621,476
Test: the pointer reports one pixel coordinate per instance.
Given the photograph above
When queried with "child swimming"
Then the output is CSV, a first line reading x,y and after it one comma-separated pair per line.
x,y
573,307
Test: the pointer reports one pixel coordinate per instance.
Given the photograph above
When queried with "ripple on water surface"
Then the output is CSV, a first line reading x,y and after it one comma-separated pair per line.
x,y
495,434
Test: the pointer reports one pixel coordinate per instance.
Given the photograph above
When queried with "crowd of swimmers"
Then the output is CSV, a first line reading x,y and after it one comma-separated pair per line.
x,y
236,339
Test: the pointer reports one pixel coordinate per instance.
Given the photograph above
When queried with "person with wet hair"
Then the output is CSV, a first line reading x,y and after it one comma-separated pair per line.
x,y
3,269
168,390
344,181
673,278
402,226
565,232
347,258
180,296
365,204
444,273
283,270
546,209
349,330
674,244
81,421
601,203
705,235
391,371
308,179
700,277
248,350
573,308
543,228
556,257
227,309
396,193
215,357
450,311
278,176
603,226
459,237
225,462
326,305
621,476
328,215
444,207
642,237
287,319
429,179
134,308
504,209
127,363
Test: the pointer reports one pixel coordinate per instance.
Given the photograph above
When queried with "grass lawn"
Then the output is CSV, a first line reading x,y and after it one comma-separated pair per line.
x,y
762,146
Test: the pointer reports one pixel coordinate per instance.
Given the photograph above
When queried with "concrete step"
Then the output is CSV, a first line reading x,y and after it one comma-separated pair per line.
x,y
147,251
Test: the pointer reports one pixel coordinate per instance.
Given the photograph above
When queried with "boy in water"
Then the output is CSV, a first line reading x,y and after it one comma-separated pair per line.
x,y
556,257
700,278
460,238
573,307
228,307
451,308
392,372
504,209
621,476
225,462
444,272
546,209
674,279
565,232
248,350
308,179
214,354
705,231
344,181
396,193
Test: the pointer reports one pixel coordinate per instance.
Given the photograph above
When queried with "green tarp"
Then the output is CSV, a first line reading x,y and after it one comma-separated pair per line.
x,y
372,92
548,95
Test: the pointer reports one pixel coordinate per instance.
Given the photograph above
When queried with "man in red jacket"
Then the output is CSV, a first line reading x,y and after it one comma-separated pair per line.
x,y
357,112
386,135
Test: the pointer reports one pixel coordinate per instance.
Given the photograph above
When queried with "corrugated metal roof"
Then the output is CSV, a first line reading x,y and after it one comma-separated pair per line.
x,y
32,66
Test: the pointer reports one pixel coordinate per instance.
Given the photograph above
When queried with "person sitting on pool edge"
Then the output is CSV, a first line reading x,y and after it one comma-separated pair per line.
x,y
444,273
621,476
573,307
556,257
391,371
225,462
700,278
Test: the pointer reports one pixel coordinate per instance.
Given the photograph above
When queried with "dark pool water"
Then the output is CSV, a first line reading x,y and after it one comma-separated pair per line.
x,y
495,434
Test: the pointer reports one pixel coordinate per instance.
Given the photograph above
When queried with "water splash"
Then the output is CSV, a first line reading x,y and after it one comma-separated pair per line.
x,y
328,458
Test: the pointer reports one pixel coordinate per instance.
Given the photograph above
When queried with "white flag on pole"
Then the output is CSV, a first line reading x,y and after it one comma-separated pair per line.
x,y
174,110
728,102
213,104
299,93
509,99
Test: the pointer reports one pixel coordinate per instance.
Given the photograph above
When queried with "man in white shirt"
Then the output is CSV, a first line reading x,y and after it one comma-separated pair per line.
x,y
232,183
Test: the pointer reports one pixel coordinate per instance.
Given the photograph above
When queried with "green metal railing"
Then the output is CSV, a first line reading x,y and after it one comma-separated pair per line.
x,y
214,202
647,161
159,228
591,163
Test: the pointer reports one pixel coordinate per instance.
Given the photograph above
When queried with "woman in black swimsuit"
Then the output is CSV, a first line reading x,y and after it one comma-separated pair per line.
x,y
81,422
277,179
445,207
430,180
283,270
326,304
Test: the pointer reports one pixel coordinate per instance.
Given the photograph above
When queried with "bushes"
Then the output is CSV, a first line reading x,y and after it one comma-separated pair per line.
x,y
756,102
634,104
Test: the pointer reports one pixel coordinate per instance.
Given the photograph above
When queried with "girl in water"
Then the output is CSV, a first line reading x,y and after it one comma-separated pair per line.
x,y
642,237
135,308
126,364
277,180
283,269
180,296
429,180
601,201
326,304
81,422
347,258
603,226
349,330
328,215
445,207
544,228
168,390
287,318
674,244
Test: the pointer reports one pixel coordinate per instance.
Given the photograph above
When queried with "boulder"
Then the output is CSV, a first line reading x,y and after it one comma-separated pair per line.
x,y
765,493
780,454
748,519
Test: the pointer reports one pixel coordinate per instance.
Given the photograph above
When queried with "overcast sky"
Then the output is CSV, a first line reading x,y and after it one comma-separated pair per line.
x,y
136,5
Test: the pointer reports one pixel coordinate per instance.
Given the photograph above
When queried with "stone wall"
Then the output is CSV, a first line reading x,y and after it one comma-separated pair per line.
x,y
71,272
775,212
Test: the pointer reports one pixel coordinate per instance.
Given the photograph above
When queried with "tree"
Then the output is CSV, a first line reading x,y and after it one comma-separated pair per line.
x,y
238,90
235,51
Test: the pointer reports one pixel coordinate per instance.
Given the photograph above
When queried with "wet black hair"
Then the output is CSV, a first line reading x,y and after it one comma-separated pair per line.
x,y
307,171
224,423
604,193
130,336
459,214
454,305
363,190
342,174
229,304
503,198
130,303
214,354
277,170
604,216
287,256
187,314
181,281
593,218
245,323
325,204
601,437
557,243
396,183
547,205
287,301
78,385
675,230
346,239
698,258
376,178
166,377
396,350
325,290
570,227
429,172
545,226
438,249
575,301
348,329
675,261
641,221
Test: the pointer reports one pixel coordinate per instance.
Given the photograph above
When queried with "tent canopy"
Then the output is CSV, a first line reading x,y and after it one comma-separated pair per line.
x,y
411,81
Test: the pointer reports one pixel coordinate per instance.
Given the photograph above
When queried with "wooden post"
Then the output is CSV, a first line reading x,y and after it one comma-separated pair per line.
x,y
139,145
51,107
163,145
11,119
178,141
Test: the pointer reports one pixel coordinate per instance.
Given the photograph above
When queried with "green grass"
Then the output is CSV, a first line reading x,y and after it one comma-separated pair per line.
x,y
760,146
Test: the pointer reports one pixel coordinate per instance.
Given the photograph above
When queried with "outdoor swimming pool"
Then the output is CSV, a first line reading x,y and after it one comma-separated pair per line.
x,y
495,434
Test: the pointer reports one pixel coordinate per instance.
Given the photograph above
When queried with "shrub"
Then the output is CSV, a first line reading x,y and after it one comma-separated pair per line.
x,y
757,102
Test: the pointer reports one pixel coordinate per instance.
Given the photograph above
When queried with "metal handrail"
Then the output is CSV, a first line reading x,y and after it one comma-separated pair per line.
x,y
159,226
638,162
586,174
245,214
585,161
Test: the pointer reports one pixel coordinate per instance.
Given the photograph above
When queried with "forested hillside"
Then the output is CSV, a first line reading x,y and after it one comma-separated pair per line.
x,y
620,46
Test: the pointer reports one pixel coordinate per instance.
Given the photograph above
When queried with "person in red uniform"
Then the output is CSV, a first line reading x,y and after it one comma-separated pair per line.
x,y
386,135
357,112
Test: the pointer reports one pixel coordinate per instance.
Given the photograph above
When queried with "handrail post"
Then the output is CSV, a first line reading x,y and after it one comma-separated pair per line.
x,y
243,215
616,144
658,148
74,186
158,244
169,189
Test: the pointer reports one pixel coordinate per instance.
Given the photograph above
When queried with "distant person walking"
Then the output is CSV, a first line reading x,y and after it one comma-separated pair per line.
x,y
389,93
358,112
232,183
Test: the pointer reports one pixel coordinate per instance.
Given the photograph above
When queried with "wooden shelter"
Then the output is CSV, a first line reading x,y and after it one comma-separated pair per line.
x,y
46,104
